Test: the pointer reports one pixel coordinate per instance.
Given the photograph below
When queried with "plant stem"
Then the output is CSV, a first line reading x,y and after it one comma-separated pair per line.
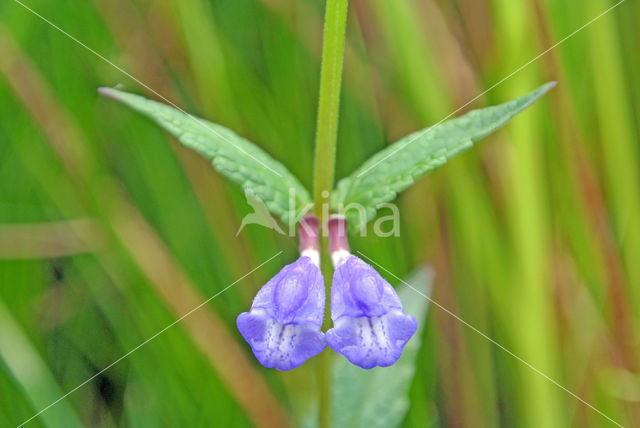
x,y
335,23
329,102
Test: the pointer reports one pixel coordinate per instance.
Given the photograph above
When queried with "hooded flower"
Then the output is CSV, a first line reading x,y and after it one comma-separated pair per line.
x,y
283,325
370,327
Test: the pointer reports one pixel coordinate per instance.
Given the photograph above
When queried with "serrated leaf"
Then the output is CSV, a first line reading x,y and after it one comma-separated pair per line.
x,y
396,167
379,397
233,156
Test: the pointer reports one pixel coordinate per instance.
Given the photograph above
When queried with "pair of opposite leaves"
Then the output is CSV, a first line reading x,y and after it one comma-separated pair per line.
x,y
378,180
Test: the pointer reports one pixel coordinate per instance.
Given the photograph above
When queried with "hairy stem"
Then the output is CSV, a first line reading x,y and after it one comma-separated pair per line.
x,y
324,164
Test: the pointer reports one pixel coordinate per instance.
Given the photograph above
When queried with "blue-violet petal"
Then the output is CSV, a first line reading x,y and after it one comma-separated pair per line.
x,y
370,327
283,325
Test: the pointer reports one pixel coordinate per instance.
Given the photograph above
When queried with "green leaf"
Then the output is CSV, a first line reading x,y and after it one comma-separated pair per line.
x,y
32,373
379,397
396,167
233,156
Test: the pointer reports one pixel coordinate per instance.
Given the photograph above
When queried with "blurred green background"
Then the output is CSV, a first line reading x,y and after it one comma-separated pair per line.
x,y
109,230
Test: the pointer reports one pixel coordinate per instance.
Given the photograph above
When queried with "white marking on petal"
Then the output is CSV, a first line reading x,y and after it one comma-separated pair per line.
x,y
280,341
313,254
373,338
339,257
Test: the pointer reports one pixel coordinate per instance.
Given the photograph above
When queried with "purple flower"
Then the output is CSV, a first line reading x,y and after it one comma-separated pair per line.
x,y
283,325
370,328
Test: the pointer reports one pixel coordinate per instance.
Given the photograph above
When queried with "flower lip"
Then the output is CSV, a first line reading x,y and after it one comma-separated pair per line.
x,y
281,346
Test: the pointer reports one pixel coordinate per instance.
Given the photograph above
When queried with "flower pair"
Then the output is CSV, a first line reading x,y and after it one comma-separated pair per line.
x,y
284,324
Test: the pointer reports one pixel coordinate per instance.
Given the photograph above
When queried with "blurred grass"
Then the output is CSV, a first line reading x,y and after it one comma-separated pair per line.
x,y
534,234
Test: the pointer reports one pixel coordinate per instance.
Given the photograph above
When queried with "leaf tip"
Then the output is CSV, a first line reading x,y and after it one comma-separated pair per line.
x,y
549,85
107,92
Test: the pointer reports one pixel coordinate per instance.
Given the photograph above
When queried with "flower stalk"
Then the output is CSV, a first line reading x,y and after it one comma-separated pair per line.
x,y
324,160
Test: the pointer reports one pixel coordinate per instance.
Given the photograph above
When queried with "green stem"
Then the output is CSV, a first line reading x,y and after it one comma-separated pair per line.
x,y
335,24
329,102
